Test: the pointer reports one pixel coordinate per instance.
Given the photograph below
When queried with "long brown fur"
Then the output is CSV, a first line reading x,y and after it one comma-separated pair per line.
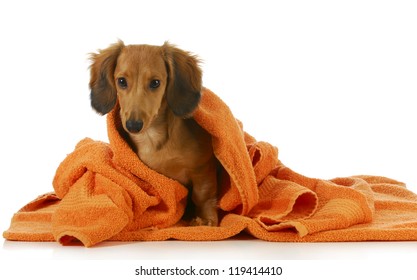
x,y
158,88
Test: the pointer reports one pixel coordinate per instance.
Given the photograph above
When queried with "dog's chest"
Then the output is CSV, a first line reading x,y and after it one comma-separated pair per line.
x,y
170,164
166,158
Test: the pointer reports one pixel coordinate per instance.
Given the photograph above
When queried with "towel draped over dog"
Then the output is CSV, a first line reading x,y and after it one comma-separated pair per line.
x,y
104,192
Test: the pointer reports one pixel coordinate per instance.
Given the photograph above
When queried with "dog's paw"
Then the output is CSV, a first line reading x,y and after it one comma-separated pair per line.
x,y
202,222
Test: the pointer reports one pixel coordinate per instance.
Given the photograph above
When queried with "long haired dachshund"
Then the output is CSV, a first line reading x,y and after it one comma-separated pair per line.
x,y
158,88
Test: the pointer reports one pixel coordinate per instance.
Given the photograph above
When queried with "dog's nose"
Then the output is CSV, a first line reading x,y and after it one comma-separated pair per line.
x,y
134,126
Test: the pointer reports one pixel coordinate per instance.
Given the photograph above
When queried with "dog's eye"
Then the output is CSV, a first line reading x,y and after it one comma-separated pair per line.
x,y
122,82
155,84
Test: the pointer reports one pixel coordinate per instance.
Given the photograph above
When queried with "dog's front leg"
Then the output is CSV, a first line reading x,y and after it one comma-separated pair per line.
x,y
204,196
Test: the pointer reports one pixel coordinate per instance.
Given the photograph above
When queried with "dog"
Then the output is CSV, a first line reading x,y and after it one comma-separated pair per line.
x,y
157,89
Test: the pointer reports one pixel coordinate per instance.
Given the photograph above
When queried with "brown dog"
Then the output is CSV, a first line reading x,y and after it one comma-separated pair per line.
x,y
158,88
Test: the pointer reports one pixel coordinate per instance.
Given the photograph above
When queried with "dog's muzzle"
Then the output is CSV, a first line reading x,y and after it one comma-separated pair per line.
x,y
134,126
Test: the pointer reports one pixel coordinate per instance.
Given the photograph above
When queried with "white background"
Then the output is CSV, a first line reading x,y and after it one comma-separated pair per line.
x,y
331,83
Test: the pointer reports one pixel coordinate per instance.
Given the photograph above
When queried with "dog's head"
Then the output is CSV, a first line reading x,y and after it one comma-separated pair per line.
x,y
142,78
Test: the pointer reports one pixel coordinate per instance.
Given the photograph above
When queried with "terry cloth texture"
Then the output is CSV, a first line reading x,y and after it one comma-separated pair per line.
x,y
104,192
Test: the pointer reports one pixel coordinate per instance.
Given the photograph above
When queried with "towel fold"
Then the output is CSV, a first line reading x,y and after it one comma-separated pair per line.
x,y
104,192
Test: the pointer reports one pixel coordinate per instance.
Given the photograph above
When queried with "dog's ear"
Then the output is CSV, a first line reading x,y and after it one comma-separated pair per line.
x,y
103,89
184,80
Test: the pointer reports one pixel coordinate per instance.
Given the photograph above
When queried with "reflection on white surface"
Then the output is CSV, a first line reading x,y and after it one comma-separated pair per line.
x,y
228,249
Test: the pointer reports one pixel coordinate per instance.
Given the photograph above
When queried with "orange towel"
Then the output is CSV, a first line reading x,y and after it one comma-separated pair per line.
x,y
104,192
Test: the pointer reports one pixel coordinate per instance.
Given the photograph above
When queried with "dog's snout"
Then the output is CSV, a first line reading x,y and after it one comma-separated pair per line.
x,y
134,126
